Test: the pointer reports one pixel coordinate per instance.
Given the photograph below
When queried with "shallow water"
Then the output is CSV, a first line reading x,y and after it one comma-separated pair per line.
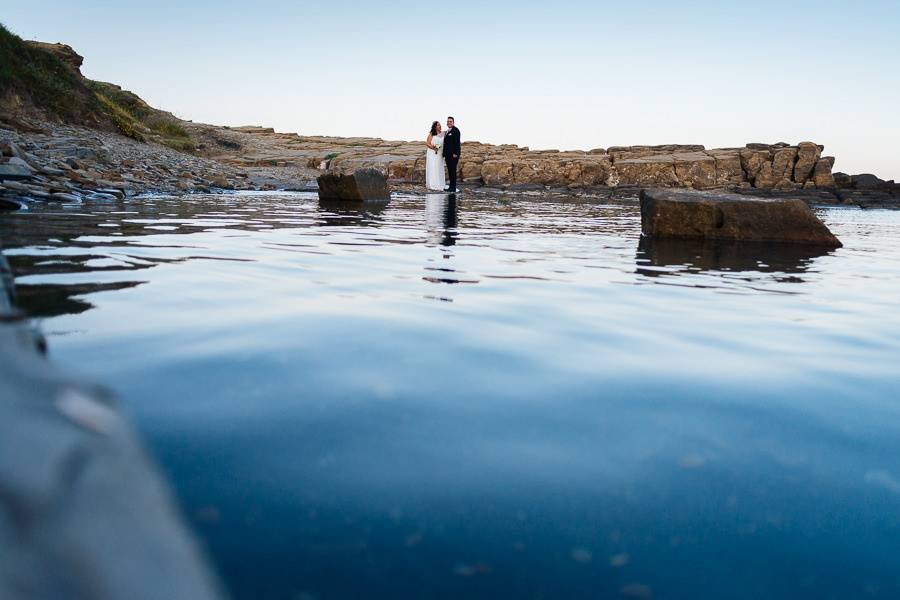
x,y
492,398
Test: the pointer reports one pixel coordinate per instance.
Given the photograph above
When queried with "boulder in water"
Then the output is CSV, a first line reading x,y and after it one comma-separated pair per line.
x,y
734,217
362,185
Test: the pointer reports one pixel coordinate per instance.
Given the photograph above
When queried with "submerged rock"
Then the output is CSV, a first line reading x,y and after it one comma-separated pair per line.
x,y
83,512
720,216
362,185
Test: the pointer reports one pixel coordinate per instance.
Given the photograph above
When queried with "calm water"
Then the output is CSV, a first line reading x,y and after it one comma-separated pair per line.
x,y
490,399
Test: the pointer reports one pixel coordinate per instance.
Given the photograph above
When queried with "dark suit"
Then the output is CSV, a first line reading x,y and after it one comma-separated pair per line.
x,y
452,146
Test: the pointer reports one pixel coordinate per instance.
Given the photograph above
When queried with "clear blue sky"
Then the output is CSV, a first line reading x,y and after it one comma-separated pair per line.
x,y
543,74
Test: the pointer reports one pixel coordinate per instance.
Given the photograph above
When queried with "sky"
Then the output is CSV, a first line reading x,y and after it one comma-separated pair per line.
x,y
567,75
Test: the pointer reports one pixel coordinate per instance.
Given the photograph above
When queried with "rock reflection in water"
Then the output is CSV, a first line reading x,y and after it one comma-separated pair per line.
x,y
345,212
44,301
672,257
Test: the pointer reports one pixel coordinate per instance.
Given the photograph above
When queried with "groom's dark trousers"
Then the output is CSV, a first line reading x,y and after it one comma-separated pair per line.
x,y
452,147
452,164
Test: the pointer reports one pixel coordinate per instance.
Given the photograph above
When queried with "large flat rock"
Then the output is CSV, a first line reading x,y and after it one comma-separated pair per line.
x,y
362,185
720,216
84,515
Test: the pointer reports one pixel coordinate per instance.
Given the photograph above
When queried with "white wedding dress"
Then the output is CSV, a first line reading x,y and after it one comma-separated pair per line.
x,y
434,165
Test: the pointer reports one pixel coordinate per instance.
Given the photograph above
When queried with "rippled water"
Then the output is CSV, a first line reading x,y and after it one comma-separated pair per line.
x,y
488,398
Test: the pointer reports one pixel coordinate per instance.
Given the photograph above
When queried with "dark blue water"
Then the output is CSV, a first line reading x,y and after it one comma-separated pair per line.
x,y
492,398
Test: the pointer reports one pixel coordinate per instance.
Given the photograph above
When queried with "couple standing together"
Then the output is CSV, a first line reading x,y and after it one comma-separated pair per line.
x,y
442,146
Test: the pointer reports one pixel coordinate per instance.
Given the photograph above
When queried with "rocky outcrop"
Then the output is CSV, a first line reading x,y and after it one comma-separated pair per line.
x,y
70,164
363,185
731,217
867,190
63,52
83,513
640,166
762,166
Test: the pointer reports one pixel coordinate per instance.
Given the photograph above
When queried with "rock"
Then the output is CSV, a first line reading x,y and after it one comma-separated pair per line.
x,y
647,171
729,171
8,203
496,172
83,512
526,187
52,171
628,152
822,176
696,170
65,197
753,160
362,185
86,153
596,171
866,181
786,185
807,155
783,164
221,182
13,150
842,180
405,170
720,216
470,168
16,186
15,172
100,197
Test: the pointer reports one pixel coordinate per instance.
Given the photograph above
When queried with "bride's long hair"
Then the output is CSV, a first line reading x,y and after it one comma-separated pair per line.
x,y
434,127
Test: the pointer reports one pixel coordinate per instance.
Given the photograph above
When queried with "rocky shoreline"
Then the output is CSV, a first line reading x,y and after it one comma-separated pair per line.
x,y
68,163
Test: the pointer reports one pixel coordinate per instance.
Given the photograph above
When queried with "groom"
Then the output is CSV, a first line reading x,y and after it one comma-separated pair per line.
x,y
452,150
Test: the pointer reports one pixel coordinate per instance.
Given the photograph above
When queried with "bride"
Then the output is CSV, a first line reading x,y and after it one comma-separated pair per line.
x,y
434,159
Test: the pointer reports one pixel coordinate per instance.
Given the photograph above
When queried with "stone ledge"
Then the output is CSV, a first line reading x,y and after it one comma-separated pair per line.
x,y
731,217
362,185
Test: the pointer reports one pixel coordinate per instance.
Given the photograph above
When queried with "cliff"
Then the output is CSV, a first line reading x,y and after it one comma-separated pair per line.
x,y
43,82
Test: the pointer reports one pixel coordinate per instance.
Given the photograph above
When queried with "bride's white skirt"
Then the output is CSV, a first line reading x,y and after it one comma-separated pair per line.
x,y
434,171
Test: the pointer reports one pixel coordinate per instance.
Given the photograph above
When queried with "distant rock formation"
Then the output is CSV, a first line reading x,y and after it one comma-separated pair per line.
x,y
761,166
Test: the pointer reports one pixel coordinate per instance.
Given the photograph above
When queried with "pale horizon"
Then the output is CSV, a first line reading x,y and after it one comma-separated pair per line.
x,y
571,76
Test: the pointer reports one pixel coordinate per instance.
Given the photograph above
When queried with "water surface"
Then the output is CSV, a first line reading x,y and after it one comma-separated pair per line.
x,y
489,398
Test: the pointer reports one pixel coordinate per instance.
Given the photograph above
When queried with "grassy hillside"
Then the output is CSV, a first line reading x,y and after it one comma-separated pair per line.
x,y
36,78
35,81
137,119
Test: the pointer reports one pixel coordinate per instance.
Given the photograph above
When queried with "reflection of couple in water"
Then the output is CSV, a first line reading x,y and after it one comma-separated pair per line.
x,y
440,219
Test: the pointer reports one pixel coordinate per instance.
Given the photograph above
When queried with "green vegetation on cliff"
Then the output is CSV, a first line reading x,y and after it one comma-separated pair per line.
x,y
33,76
44,78
137,119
